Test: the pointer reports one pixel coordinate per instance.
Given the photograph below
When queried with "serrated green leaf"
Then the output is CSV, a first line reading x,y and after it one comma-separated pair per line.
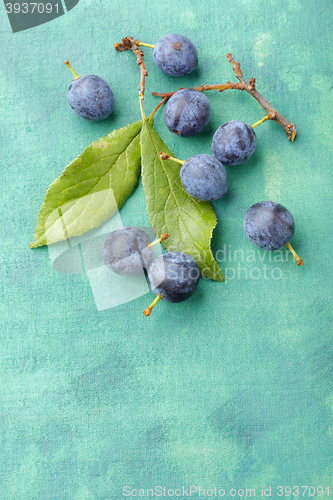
x,y
189,222
91,188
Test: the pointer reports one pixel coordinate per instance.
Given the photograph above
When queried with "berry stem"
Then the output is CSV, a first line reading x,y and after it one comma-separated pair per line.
x,y
76,76
142,44
163,237
164,156
147,311
299,261
261,121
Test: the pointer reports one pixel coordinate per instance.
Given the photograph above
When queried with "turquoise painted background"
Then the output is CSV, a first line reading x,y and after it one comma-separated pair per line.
x,y
230,389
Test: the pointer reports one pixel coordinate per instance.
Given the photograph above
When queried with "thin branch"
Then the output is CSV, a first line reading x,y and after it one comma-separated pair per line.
x,y
202,88
272,113
249,87
128,43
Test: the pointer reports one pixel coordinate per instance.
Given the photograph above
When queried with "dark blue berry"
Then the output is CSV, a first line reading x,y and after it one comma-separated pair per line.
x,y
90,97
125,251
187,112
234,142
175,55
204,177
269,225
174,276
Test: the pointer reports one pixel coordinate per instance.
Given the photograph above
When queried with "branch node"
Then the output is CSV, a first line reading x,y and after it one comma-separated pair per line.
x,y
251,85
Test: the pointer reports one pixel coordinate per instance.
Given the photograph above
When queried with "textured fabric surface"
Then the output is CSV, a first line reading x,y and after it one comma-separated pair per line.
x,y
231,389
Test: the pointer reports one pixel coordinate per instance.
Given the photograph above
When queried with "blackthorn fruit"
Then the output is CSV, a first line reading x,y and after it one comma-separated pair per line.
x,y
234,142
204,177
90,96
270,226
175,55
187,112
125,251
174,277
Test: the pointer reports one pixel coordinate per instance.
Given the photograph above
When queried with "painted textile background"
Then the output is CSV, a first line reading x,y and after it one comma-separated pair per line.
x,y
229,393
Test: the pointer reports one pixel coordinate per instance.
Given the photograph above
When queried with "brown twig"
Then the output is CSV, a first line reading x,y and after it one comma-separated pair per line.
x,y
128,43
249,87
272,113
202,88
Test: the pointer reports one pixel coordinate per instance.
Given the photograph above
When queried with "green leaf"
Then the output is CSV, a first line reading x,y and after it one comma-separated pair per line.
x,y
91,188
189,222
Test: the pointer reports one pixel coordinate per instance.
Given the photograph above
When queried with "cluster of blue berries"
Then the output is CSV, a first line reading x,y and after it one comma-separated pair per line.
x,y
187,112
174,276
269,225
